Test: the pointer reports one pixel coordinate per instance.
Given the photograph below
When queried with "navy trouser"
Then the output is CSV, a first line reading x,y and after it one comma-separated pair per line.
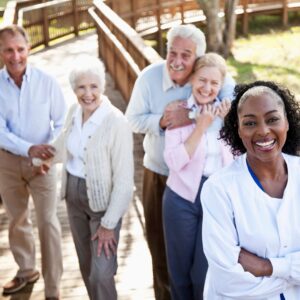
x,y
187,264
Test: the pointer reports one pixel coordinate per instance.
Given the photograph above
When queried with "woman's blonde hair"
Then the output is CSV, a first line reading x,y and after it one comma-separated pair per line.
x,y
211,60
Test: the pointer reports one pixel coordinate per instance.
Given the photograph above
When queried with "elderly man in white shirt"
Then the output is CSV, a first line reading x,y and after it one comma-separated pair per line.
x,y
32,112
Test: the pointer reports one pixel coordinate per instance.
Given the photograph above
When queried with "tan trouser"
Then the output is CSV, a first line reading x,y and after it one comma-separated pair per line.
x,y
17,180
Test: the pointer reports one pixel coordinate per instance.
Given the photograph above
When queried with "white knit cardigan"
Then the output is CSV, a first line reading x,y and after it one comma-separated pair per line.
x,y
109,166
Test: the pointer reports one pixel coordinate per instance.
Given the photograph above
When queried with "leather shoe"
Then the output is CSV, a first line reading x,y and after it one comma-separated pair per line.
x,y
18,283
52,298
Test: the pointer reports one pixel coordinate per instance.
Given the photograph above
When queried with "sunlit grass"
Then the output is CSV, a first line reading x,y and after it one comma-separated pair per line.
x,y
271,56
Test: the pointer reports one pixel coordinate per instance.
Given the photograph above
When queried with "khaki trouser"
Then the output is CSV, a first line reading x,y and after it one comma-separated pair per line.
x,y
153,189
17,180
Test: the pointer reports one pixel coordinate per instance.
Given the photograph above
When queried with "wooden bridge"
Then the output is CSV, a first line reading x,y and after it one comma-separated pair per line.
x,y
118,41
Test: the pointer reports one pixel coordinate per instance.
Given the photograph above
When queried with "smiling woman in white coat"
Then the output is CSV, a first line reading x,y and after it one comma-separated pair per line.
x,y
251,224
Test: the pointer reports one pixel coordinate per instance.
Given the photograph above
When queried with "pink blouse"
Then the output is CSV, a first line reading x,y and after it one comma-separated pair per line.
x,y
184,172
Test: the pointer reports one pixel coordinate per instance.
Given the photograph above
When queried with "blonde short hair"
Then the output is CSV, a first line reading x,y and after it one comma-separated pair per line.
x,y
211,60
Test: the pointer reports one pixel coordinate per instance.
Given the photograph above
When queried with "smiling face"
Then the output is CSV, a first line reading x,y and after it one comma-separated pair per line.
x,y
263,127
14,51
88,92
206,83
180,59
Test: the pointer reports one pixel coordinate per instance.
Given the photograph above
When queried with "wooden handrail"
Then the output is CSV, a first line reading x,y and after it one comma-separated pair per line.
x,y
37,7
131,39
123,51
45,23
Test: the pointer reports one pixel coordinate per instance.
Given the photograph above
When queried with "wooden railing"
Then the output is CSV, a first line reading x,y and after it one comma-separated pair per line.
x,y
121,48
46,22
146,16
13,7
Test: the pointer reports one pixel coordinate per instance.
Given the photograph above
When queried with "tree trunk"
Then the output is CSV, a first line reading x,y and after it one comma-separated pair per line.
x,y
230,26
211,9
220,32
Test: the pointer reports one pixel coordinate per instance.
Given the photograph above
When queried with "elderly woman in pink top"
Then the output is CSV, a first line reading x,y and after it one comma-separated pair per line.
x,y
193,153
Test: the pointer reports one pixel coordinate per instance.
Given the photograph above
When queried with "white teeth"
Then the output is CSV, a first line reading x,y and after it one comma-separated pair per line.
x,y
179,68
87,101
265,144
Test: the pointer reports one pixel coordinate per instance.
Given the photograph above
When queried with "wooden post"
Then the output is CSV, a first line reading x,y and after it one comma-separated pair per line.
x,y
133,10
285,13
245,17
160,45
45,26
75,17
182,11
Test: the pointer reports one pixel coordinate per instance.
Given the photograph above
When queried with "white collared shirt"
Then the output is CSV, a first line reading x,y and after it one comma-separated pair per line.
x,y
213,157
80,134
32,114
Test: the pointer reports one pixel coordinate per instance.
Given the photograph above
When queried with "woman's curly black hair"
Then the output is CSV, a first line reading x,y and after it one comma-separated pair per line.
x,y
229,131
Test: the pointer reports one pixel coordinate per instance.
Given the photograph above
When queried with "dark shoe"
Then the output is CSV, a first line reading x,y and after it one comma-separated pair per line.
x,y
18,283
52,298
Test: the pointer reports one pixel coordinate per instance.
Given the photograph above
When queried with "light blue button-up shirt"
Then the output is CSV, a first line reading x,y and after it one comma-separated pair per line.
x,y
32,114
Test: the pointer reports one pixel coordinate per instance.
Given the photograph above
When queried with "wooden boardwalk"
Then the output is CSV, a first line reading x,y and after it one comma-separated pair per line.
x,y
134,276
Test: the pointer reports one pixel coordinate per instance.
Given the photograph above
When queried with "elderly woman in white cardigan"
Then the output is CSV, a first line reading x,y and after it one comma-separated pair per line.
x,y
96,149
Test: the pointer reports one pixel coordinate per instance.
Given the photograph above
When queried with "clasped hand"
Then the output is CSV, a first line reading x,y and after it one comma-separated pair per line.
x,y
41,156
176,113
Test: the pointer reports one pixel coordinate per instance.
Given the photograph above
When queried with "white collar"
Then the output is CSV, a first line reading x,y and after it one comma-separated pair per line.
x,y
26,75
98,115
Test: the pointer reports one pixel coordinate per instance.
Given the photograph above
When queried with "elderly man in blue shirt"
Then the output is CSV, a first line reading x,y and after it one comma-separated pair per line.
x,y
32,112
152,109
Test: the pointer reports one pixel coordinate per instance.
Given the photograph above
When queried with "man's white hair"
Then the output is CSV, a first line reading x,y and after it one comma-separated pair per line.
x,y
85,64
188,31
